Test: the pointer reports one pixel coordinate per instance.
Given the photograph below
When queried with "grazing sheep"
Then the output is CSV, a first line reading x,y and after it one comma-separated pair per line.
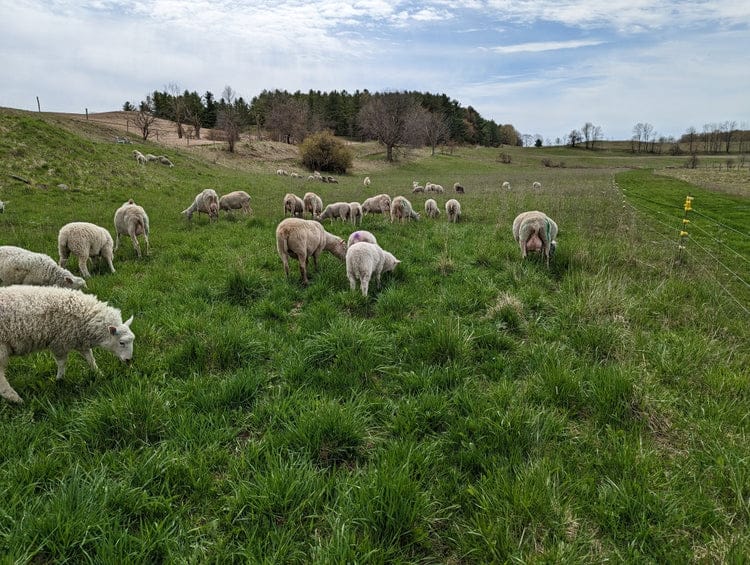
x,y
401,209
20,266
165,161
151,157
535,231
355,212
294,205
84,240
432,187
340,210
363,260
139,157
206,202
453,210
237,200
366,182
332,180
360,235
415,187
313,204
536,185
302,239
506,185
62,320
281,172
458,187
131,219
431,208
380,203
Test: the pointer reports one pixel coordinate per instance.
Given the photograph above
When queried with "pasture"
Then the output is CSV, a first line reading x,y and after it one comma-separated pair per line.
x,y
476,408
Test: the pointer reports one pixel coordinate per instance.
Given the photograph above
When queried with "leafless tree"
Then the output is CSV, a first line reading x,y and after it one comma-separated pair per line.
x,y
228,118
287,117
690,135
193,117
389,118
574,137
144,120
178,106
728,128
434,127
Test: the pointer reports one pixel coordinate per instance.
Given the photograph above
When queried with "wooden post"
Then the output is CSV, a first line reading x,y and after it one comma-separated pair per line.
x,y
87,114
38,106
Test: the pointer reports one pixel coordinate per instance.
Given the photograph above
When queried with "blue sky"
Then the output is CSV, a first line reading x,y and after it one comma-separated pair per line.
x,y
545,66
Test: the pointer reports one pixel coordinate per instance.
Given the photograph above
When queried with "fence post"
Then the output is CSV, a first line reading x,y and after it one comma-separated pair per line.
x,y
687,206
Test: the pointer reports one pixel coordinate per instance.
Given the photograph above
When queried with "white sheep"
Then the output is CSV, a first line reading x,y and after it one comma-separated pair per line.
x,y
206,202
380,203
236,200
2,206
302,239
536,185
535,231
62,320
294,205
458,187
438,188
361,235
85,240
340,210
401,208
165,161
132,220
281,172
355,212
21,266
313,204
295,175
431,209
139,157
506,185
453,210
366,182
365,260
151,157
416,187
332,180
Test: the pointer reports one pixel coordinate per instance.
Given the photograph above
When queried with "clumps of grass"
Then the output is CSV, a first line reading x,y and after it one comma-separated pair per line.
x,y
236,391
507,313
599,343
439,341
241,287
224,350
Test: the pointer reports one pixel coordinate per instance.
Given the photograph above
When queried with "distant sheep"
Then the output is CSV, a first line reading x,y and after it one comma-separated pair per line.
x,y
416,187
360,235
458,187
535,231
151,157
236,200
355,212
432,187
377,204
365,260
20,266
131,219
536,185
453,210
2,206
281,172
139,157
312,203
401,209
62,320
366,182
85,240
506,185
340,210
205,202
302,239
294,175
332,180
431,209
165,161
294,205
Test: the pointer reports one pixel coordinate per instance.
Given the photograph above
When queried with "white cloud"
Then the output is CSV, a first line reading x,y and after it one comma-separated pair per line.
x,y
536,47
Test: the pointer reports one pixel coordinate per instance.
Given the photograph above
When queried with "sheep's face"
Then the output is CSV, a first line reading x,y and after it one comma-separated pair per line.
x,y
120,341
72,281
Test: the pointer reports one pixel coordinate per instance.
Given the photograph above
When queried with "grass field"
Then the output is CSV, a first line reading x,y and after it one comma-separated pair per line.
x,y
477,408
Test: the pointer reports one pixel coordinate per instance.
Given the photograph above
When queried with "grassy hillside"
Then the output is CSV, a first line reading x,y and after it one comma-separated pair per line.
x,y
476,408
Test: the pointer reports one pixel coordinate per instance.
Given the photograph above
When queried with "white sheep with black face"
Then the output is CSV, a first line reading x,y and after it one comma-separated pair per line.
x,y
36,318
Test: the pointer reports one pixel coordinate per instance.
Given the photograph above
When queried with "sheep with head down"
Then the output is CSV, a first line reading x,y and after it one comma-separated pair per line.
x,y
360,235
236,200
132,220
365,260
205,202
431,209
21,266
294,205
302,239
312,203
453,210
537,232
377,204
85,240
401,208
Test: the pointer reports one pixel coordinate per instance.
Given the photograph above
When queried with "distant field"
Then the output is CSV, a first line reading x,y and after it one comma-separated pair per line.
x,y
477,408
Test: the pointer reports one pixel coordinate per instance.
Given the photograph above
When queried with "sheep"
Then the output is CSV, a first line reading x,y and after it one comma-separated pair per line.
x,y
332,180
302,239
151,157
535,231
432,187
84,240
415,187
506,185
294,205
431,209
401,209
366,182
453,210
360,235
355,212
281,172
2,206
295,175
380,203
236,200
62,320
340,210
363,260
206,202
21,266
165,161
536,185
132,220
313,204
458,187
139,157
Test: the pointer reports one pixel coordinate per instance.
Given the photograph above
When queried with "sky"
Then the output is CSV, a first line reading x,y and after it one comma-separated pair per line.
x,y
545,66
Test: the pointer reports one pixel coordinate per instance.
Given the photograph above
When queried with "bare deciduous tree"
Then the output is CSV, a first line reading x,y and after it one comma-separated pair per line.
x,y
287,117
143,120
178,107
390,118
228,118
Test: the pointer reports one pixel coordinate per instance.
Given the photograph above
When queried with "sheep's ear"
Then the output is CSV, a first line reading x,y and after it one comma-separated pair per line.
x,y
129,321
112,330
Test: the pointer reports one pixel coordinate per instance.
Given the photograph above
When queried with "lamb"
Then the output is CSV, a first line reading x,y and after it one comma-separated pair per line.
x,y
536,185
206,202
313,204
535,231
139,157
453,210
36,318
415,187
294,205
431,208
132,220
360,235
458,187
20,266
84,240
355,212
366,182
401,209
302,239
237,200
506,185
363,260
380,203
165,161
340,210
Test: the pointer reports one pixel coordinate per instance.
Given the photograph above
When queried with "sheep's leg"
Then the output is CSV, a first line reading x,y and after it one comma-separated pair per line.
x,y
117,240
83,265
364,284
63,249
285,262
62,359
89,356
352,279
303,259
108,257
6,391
148,247
134,239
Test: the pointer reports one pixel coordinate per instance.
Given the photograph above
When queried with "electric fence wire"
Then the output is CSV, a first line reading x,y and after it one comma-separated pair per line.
x,y
720,224
743,281
740,255
718,282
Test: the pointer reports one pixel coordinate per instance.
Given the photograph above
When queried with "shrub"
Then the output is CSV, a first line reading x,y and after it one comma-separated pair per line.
x,y
323,152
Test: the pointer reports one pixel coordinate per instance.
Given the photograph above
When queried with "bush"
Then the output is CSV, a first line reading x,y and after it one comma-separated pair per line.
x,y
323,152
